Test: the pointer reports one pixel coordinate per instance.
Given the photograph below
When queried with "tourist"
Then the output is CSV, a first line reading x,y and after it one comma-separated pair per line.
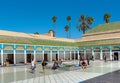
x,y
84,65
92,58
44,65
33,66
55,65
88,59
112,57
104,58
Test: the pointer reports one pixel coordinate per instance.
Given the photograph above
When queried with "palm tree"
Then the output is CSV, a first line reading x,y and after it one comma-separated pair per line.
x,y
67,29
84,23
54,19
69,19
107,17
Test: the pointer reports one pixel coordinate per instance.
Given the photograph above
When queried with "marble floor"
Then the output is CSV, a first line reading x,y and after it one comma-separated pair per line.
x,y
96,71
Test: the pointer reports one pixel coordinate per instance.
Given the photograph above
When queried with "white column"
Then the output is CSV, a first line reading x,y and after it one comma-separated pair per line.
x,y
78,55
14,52
2,57
50,55
43,54
70,55
84,54
25,58
58,55
64,55
101,55
111,54
34,55
93,54
74,55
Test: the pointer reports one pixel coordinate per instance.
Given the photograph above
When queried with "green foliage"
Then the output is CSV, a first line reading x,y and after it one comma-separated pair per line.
x,y
68,18
107,17
66,28
36,33
54,19
84,23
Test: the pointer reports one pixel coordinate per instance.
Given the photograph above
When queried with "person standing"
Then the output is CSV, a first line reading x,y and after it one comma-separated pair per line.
x,y
105,58
33,66
88,59
92,58
43,65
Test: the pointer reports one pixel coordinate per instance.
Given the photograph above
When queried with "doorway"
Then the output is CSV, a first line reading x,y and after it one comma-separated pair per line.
x,y
45,57
10,58
116,56
29,58
76,56
72,56
57,57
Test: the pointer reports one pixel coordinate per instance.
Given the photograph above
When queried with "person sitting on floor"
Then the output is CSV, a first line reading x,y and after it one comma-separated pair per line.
x,y
84,64
55,65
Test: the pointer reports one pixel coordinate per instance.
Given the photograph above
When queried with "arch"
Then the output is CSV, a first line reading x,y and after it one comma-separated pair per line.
x,y
61,49
88,49
8,47
67,49
20,48
39,48
106,48
30,48
96,48
116,48
54,49
47,49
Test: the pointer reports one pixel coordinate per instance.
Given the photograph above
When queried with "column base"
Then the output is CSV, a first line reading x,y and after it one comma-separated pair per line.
x,y
14,64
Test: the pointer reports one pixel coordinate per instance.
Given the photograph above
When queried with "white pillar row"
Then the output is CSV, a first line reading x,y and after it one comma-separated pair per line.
x,y
43,54
111,54
78,55
70,55
34,55
58,55
101,54
64,55
51,55
2,56
25,57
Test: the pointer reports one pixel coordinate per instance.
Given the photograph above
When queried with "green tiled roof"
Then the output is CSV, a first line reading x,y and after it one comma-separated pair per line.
x,y
99,43
106,27
23,40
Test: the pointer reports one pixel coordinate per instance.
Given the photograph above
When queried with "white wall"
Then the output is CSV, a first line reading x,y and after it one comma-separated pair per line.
x,y
19,58
38,57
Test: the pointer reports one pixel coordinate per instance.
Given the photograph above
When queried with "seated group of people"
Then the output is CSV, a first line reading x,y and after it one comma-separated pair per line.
x,y
57,64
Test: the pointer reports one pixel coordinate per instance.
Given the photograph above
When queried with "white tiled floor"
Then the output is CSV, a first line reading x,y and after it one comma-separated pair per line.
x,y
20,74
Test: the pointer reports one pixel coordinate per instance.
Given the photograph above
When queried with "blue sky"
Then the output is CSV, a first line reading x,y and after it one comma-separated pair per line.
x,y
30,16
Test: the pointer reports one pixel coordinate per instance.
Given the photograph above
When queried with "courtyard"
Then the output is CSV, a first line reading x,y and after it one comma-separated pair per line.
x,y
95,73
